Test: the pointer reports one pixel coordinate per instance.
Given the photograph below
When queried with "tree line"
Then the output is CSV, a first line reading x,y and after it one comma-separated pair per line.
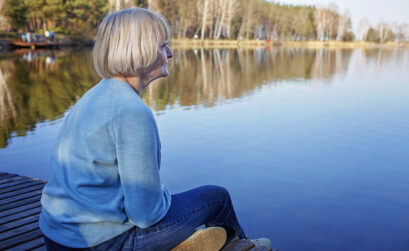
x,y
76,17
206,19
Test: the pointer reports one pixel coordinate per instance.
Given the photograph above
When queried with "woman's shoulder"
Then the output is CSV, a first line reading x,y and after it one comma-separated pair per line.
x,y
120,91
126,100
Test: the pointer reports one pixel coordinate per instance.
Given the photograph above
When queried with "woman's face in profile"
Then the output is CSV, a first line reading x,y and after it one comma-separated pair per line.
x,y
159,68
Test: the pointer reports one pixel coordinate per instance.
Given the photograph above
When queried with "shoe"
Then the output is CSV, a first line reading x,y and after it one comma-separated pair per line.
x,y
205,239
262,242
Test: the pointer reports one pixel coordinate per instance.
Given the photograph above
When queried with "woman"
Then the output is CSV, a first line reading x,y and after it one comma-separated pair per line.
x,y
106,193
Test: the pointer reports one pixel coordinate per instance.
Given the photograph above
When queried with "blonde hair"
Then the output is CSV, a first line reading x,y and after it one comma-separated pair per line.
x,y
127,42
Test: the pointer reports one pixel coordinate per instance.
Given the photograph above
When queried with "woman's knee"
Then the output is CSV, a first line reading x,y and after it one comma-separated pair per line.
x,y
217,192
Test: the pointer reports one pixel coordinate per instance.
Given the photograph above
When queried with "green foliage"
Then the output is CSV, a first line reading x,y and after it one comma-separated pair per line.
x,y
373,36
84,15
141,3
349,36
17,11
64,16
61,30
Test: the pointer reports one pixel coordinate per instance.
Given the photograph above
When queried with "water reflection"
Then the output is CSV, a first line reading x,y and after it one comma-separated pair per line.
x,y
209,77
41,85
381,58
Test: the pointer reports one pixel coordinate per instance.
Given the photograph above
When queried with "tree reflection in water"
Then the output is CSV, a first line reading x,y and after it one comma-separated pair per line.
x,y
37,86
209,77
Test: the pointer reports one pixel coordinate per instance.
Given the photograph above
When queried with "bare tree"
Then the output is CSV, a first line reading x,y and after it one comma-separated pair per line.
x,y
343,26
363,29
220,7
249,11
321,23
203,7
116,5
333,18
385,32
402,32
232,6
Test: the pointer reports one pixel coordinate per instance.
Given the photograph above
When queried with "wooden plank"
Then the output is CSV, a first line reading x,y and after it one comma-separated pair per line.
x,y
29,245
20,203
10,179
19,231
21,191
19,215
38,181
7,175
15,241
17,182
261,248
41,248
20,197
18,187
239,245
21,208
20,222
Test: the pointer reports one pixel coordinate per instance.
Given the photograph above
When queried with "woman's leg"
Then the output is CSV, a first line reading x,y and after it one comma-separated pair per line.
x,y
206,205
113,244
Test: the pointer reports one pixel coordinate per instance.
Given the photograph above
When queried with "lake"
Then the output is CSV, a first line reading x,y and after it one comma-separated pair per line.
x,y
313,144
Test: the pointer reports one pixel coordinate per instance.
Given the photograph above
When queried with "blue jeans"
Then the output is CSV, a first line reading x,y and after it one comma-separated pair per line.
x,y
206,205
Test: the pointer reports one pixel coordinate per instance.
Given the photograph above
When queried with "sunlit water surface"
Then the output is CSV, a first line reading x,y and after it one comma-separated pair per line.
x,y
313,145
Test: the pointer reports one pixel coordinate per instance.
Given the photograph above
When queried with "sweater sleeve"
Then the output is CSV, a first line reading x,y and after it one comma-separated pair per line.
x,y
146,201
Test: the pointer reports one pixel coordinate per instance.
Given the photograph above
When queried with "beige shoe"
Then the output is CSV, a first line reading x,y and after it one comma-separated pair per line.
x,y
205,239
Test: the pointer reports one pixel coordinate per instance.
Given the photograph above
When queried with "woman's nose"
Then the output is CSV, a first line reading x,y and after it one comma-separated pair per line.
x,y
169,53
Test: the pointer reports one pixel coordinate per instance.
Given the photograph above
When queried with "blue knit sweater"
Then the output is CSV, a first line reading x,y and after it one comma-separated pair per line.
x,y
105,166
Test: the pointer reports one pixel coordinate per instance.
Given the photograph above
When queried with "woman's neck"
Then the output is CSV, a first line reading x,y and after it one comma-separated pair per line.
x,y
135,82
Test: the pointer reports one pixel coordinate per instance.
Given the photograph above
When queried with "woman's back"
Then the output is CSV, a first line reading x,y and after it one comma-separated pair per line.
x,y
85,199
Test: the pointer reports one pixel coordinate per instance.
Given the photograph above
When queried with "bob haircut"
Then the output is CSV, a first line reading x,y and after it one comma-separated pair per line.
x,y
127,42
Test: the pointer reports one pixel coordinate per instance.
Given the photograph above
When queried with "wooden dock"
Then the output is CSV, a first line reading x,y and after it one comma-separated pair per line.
x,y
14,44
19,212
34,45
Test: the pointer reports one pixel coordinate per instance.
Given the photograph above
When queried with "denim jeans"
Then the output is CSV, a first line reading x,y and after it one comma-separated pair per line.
x,y
206,205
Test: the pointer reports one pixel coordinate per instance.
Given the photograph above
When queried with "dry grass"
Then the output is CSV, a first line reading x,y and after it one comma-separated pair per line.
x,y
197,43
207,43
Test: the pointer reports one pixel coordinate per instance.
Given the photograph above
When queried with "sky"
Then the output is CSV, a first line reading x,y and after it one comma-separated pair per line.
x,y
373,10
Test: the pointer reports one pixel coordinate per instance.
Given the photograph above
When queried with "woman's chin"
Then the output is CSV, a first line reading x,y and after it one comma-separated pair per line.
x,y
164,74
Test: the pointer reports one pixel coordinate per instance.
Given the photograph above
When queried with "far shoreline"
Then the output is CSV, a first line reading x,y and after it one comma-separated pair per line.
x,y
69,41
208,43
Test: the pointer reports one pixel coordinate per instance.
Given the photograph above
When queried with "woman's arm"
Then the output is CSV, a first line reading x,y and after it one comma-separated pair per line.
x,y
146,201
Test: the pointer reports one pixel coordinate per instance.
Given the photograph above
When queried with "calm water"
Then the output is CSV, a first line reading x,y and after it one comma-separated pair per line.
x,y
312,144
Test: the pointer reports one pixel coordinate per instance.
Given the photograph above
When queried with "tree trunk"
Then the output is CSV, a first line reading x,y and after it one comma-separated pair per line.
x,y
204,19
221,24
